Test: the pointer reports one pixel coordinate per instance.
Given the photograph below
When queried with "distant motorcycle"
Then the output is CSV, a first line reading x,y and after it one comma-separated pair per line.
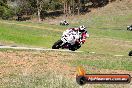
x,y
129,28
130,53
67,41
64,23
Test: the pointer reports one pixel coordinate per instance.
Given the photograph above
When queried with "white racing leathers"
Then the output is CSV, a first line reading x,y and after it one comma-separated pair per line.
x,y
70,36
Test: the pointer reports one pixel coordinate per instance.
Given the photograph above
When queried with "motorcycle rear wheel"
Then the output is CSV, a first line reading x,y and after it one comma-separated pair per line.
x,y
72,48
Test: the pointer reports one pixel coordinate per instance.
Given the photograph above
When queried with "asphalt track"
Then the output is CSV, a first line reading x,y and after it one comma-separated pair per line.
x,y
43,49
37,49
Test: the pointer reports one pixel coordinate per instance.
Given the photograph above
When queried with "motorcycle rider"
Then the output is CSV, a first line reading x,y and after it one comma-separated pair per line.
x,y
64,22
82,32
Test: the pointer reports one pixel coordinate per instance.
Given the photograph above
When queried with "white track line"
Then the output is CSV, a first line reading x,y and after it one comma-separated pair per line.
x,y
118,55
38,49
92,52
42,49
114,55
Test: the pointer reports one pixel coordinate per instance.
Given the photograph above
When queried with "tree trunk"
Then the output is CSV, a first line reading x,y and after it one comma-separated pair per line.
x,y
73,7
64,8
78,7
39,19
39,10
69,9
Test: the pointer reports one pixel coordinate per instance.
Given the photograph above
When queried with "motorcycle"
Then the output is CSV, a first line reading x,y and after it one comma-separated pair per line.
x,y
68,41
130,53
64,23
129,28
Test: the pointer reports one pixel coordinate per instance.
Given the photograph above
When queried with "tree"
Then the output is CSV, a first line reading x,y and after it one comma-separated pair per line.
x,y
39,7
3,3
5,11
41,4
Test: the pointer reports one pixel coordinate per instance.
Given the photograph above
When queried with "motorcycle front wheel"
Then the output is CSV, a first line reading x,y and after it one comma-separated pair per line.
x,y
57,44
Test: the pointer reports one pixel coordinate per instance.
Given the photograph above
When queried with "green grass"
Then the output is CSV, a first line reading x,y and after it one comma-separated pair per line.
x,y
44,35
105,62
112,33
48,81
27,35
38,81
112,26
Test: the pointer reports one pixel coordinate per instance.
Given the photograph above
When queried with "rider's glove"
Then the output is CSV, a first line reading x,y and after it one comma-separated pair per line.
x,y
82,42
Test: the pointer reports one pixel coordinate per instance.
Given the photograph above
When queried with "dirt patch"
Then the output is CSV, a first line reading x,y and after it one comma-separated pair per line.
x,y
36,62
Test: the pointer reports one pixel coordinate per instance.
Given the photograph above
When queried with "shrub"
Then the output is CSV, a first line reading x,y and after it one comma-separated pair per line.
x,y
1,11
8,13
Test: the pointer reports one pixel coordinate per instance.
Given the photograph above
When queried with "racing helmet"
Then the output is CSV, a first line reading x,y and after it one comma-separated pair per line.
x,y
64,21
82,28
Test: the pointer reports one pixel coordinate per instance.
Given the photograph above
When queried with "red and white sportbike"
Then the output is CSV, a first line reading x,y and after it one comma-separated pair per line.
x,y
68,41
